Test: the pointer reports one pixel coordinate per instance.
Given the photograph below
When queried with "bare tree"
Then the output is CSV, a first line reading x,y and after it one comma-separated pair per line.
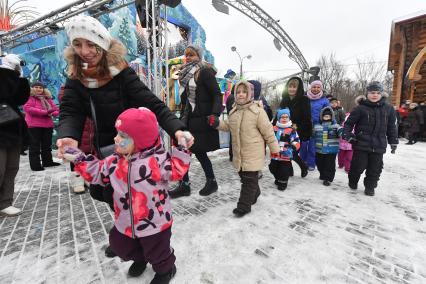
x,y
332,74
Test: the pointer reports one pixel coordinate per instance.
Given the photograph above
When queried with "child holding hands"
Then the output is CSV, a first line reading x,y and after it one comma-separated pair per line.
x,y
139,171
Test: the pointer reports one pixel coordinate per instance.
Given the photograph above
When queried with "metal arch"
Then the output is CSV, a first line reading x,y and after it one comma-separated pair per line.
x,y
56,20
257,14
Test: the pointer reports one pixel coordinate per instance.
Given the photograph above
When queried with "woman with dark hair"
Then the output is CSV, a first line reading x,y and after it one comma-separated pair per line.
x,y
202,96
300,110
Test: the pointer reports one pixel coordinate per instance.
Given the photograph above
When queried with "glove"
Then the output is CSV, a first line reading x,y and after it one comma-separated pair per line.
x,y
393,149
275,155
213,120
185,138
73,155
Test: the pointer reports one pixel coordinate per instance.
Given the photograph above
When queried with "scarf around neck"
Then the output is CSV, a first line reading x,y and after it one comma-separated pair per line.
x,y
285,125
314,97
44,102
187,81
92,80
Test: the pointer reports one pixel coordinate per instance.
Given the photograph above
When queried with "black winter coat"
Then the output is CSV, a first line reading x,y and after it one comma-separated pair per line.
x,y
14,91
414,120
300,110
339,115
124,91
208,100
375,126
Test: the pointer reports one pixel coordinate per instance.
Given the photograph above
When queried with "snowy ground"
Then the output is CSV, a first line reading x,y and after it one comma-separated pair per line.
x,y
308,234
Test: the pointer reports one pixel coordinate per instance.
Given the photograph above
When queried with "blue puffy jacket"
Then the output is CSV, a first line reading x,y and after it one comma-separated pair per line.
x,y
316,107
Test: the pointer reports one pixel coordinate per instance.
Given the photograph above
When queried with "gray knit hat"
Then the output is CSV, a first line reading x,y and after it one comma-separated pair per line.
x,y
88,28
197,49
375,86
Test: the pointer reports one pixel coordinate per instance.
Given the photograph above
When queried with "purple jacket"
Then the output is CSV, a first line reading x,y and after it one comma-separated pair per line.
x,y
343,144
141,206
37,116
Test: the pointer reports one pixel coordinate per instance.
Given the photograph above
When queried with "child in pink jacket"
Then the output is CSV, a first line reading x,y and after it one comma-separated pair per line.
x,y
344,157
139,171
39,111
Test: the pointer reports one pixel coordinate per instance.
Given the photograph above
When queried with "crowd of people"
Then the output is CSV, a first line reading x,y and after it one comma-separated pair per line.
x,y
129,168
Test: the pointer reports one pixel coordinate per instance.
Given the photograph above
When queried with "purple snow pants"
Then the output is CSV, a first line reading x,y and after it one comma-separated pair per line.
x,y
154,249
344,159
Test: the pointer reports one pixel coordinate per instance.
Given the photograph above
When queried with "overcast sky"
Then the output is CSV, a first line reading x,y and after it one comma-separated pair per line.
x,y
350,29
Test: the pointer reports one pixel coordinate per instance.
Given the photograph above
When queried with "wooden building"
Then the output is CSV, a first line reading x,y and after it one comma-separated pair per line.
x,y
407,55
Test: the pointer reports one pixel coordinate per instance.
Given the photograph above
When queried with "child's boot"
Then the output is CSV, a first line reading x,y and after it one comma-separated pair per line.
x,y
137,268
282,185
238,212
164,278
183,189
326,183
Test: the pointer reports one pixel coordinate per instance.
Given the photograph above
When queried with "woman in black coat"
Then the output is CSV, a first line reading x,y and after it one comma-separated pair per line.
x,y
414,122
14,91
202,99
300,109
99,73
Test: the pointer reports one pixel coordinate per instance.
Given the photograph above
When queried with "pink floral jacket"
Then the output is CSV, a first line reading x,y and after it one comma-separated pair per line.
x,y
141,183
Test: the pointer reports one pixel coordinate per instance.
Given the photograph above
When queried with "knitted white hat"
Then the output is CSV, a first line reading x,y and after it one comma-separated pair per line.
x,y
88,28
10,61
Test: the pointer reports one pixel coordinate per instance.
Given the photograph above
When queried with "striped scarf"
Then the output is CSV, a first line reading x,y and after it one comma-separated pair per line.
x,y
44,102
187,81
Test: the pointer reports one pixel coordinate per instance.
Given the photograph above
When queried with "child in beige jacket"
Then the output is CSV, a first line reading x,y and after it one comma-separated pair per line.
x,y
250,128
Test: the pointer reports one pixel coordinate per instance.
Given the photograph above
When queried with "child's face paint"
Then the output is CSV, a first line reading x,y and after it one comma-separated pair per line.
x,y
123,143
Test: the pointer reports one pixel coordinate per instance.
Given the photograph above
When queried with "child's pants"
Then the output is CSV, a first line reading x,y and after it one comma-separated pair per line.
x,y
154,249
281,170
371,162
326,164
307,152
249,189
344,159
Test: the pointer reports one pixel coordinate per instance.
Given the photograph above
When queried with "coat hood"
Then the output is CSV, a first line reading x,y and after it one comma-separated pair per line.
x,y
300,89
250,90
330,109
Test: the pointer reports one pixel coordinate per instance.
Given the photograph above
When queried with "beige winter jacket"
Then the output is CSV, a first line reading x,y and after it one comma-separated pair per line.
x,y
250,129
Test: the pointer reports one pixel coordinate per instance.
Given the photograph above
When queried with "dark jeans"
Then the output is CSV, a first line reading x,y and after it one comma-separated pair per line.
x,y
40,143
281,170
249,189
9,166
154,249
370,161
206,164
326,164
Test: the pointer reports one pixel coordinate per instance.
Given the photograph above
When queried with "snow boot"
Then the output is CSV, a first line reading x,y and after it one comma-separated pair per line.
x,y
353,186
238,212
51,164
183,189
282,186
326,183
109,253
164,278
304,172
369,191
136,269
209,187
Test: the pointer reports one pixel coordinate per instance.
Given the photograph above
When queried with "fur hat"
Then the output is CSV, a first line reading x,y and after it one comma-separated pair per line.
x,y
375,86
283,111
141,125
38,84
197,50
88,28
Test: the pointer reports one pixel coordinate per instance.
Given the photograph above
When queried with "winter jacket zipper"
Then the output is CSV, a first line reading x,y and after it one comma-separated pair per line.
x,y
129,191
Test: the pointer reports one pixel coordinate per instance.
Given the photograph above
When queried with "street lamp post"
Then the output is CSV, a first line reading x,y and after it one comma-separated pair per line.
x,y
234,49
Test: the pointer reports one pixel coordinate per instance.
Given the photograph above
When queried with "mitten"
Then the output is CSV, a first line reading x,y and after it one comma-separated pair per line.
x,y
275,155
73,155
183,141
213,120
393,149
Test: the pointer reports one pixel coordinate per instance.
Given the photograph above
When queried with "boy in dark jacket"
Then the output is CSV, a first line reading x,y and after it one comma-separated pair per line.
x,y
326,135
339,114
375,127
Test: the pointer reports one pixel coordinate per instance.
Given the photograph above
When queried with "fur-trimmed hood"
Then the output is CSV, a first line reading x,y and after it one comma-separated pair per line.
x,y
115,55
46,92
250,89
